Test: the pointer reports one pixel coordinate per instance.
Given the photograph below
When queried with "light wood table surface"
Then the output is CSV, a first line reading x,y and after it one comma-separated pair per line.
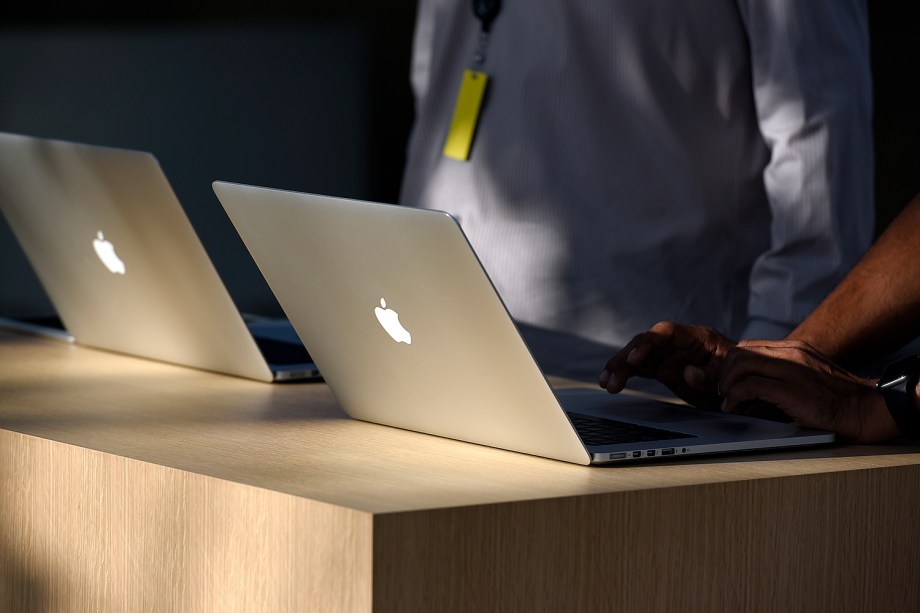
x,y
130,485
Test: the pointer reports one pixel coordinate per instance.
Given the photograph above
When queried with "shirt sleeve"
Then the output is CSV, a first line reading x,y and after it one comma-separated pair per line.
x,y
813,94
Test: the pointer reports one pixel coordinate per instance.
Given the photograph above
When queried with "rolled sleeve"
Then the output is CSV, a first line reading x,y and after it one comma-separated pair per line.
x,y
813,94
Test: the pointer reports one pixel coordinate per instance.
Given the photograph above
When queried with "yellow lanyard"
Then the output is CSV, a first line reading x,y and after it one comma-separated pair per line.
x,y
472,87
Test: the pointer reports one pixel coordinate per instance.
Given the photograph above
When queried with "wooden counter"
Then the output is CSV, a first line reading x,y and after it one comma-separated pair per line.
x,y
130,485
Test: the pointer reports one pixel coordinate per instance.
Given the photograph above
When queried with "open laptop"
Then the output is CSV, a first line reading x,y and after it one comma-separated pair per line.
x,y
409,331
122,265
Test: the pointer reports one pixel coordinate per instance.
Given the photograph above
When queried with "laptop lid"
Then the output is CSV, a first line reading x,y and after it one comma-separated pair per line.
x,y
409,331
405,326
118,257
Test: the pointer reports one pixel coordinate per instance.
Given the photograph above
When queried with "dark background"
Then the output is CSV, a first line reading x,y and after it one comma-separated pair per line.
x,y
307,96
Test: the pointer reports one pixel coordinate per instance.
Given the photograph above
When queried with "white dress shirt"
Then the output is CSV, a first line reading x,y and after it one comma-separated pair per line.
x,y
705,162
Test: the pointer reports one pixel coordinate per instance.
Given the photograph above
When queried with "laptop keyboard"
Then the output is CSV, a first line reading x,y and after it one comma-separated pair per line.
x,y
603,431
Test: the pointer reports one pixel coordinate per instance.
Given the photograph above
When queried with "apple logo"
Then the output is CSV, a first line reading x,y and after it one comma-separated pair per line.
x,y
389,319
106,252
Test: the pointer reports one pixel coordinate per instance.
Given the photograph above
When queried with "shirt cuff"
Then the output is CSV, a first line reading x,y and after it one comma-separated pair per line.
x,y
762,329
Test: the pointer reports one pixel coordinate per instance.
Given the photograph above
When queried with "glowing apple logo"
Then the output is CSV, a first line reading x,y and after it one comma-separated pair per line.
x,y
106,252
389,319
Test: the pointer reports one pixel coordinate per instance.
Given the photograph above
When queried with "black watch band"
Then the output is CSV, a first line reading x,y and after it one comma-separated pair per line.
x,y
898,384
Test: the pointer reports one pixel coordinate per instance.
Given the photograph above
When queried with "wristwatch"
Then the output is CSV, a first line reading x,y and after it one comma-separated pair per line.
x,y
898,384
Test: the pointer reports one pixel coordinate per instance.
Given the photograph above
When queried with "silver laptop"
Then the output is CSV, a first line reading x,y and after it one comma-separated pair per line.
x,y
122,265
409,332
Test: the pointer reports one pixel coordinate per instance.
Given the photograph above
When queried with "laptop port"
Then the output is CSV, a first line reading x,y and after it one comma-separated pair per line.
x,y
637,454
667,451
651,452
618,456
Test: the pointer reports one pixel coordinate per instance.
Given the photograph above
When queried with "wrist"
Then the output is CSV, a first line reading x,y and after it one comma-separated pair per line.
x,y
898,386
877,425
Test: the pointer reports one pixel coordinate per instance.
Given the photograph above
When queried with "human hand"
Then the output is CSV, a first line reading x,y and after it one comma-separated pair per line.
x,y
683,357
795,378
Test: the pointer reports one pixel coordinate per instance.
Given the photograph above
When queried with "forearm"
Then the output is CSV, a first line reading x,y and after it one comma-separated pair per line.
x,y
876,308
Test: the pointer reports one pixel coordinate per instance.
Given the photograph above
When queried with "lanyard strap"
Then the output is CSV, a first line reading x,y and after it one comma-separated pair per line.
x,y
486,11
